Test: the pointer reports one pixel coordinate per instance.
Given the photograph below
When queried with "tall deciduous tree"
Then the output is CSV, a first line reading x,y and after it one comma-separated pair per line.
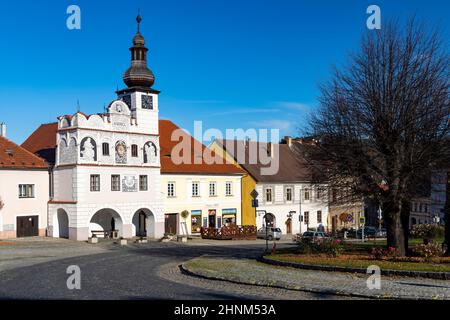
x,y
384,118
447,213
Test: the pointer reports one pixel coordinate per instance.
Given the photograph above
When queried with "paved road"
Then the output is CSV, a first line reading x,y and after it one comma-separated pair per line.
x,y
144,271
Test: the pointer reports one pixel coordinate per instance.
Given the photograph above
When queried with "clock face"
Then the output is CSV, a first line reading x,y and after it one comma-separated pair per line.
x,y
147,102
119,108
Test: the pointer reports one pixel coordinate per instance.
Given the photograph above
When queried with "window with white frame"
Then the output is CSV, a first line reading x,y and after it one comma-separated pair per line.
x,y
105,148
143,183
196,189
26,191
320,193
319,216
212,189
95,182
288,194
229,188
307,194
269,195
171,189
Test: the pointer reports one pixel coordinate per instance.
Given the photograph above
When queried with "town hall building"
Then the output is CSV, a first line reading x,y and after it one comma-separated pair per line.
x,y
112,174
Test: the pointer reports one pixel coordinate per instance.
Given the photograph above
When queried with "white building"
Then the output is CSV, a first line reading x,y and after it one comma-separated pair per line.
x,y
106,178
24,185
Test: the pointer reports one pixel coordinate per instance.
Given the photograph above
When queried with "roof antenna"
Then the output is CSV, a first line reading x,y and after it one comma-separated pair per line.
x,y
78,106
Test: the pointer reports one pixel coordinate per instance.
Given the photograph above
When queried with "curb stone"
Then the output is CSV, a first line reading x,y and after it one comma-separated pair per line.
x,y
185,270
385,272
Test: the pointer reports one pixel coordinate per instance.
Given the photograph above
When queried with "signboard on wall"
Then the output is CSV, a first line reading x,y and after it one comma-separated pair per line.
x,y
129,184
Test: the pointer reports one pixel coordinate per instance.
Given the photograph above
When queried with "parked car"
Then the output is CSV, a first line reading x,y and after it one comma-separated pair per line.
x,y
314,236
272,233
381,233
369,232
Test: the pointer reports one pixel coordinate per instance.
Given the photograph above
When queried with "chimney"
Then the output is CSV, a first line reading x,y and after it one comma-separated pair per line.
x,y
270,151
288,141
2,130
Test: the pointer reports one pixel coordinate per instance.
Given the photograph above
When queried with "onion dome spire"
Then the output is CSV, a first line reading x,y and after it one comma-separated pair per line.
x,y
138,74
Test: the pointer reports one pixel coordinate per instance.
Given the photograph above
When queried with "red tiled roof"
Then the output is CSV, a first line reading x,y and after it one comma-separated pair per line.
x,y
13,156
43,143
196,151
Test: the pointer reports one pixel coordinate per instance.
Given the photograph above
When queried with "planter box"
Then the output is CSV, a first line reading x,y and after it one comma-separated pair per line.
x,y
142,241
182,239
93,240
123,242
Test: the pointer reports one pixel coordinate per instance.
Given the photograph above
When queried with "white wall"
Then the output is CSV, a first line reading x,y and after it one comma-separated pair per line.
x,y
282,209
14,206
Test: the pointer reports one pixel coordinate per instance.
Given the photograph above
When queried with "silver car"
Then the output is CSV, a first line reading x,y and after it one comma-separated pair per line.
x,y
272,233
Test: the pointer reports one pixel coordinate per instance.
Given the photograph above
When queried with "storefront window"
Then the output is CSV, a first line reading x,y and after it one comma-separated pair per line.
x,y
196,220
229,217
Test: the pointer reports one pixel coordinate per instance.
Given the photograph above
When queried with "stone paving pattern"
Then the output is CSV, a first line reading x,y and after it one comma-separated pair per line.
x,y
256,273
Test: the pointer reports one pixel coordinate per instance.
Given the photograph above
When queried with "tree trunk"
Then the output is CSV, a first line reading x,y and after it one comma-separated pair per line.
x,y
406,211
447,214
394,228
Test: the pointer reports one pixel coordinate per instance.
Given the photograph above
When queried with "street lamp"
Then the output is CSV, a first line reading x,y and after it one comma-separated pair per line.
x,y
264,212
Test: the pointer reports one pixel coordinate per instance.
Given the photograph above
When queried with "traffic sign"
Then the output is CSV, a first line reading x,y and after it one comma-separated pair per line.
x,y
362,220
254,194
255,203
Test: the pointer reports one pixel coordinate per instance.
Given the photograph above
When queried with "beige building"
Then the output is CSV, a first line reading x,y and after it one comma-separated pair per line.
x,y
208,194
24,187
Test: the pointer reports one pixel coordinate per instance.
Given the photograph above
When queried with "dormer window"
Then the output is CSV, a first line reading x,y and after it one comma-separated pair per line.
x,y
147,102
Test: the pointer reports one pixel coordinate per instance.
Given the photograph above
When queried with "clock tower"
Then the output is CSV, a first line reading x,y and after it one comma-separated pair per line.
x,y
139,95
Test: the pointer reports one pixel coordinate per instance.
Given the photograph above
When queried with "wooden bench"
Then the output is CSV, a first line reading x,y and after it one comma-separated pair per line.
x,y
106,234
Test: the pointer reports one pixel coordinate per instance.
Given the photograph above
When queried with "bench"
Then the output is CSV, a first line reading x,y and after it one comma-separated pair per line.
x,y
106,234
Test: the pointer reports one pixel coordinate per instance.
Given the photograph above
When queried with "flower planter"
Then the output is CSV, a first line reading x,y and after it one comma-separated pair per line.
x,y
93,240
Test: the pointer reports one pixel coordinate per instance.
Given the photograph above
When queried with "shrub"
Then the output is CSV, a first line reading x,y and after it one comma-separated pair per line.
x,y
429,251
378,253
330,247
427,231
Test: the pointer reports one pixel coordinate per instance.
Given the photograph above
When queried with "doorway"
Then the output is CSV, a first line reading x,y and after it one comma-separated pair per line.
x,y
212,218
27,226
289,226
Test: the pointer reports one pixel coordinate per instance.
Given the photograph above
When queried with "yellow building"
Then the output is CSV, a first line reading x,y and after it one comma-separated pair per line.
x,y
248,184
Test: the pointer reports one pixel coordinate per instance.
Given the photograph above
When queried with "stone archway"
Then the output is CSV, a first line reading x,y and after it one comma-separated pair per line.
x,y
108,221
143,223
61,224
270,219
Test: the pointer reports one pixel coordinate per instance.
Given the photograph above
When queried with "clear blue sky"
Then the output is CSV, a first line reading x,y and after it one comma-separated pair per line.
x,y
230,63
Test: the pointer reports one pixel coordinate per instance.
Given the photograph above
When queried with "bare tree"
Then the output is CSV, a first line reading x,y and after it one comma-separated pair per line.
x,y
384,117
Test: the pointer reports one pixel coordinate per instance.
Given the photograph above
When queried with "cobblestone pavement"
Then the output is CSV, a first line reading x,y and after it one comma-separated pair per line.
x,y
171,272
22,252
256,273
133,272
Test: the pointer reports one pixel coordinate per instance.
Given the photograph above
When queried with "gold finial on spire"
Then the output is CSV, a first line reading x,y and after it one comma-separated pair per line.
x,y
138,20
